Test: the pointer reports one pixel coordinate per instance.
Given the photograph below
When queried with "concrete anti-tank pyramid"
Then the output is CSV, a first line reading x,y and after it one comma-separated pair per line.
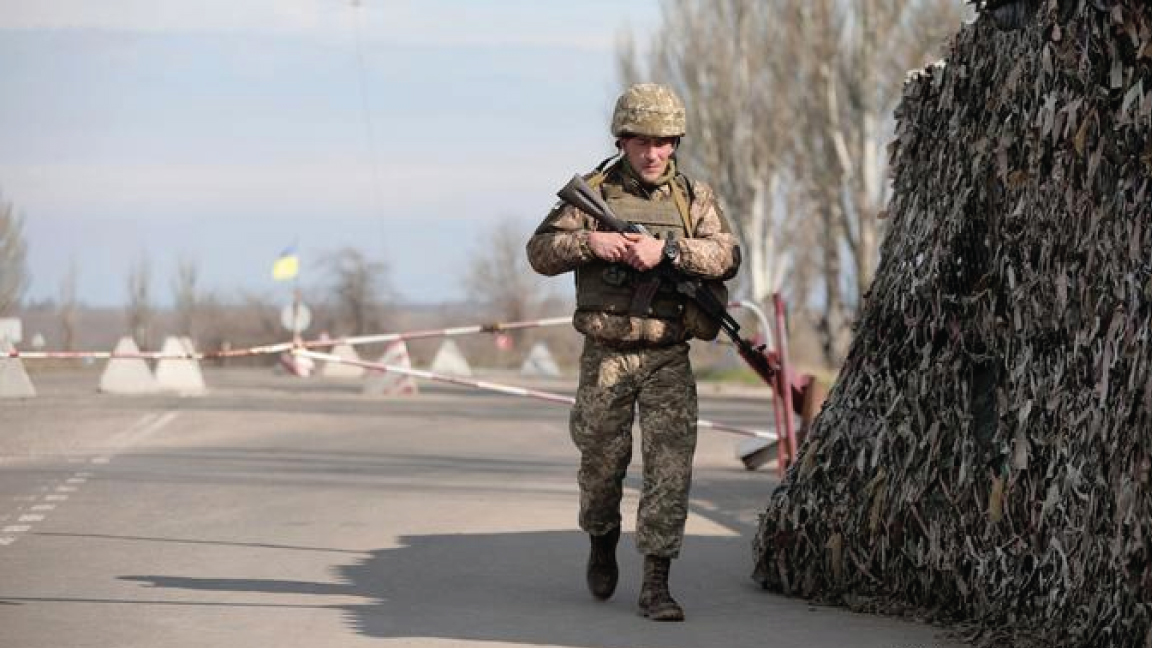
x,y
128,375
540,363
14,381
340,369
383,383
180,375
450,361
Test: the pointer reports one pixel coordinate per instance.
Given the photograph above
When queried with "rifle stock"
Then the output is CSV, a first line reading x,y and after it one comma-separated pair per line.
x,y
583,197
578,194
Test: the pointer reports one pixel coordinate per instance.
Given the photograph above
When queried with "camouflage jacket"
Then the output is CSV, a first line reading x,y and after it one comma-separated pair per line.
x,y
560,244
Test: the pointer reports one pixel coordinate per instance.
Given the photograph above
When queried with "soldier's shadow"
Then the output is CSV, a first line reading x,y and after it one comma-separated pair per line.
x,y
520,588
527,588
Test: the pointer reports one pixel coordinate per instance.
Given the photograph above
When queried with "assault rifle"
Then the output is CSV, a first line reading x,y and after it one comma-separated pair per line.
x,y
578,194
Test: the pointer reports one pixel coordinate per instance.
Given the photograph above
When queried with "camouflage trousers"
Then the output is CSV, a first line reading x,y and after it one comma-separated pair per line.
x,y
614,385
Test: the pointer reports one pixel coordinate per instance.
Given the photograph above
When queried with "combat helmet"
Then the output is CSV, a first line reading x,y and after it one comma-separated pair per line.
x,y
648,109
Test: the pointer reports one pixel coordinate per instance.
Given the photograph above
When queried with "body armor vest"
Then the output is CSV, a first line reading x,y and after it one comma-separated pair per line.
x,y
612,287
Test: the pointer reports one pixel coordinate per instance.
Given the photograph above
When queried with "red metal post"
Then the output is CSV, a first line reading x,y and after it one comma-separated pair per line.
x,y
782,452
784,378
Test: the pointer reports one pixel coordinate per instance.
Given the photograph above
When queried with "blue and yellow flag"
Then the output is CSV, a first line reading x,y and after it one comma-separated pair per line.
x,y
286,266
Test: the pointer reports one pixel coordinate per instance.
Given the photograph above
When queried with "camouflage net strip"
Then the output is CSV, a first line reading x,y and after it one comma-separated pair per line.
x,y
985,455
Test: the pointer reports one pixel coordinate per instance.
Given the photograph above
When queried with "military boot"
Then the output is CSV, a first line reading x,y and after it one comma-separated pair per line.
x,y
602,570
655,601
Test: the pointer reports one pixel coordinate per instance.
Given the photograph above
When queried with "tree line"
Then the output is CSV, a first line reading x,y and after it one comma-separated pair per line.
x,y
789,113
353,294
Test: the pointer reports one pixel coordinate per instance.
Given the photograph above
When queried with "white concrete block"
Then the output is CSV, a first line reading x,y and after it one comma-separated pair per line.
x,y
383,383
128,375
449,361
540,363
340,369
180,375
14,381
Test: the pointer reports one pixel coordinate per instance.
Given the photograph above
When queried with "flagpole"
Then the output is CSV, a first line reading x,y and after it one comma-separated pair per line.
x,y
297,339
297,334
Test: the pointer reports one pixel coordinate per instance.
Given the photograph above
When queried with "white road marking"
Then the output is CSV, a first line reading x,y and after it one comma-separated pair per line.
x,y
156,425
144,426
121,439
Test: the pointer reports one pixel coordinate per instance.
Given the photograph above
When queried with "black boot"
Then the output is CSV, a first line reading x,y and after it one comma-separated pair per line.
x,y
655,601
602,570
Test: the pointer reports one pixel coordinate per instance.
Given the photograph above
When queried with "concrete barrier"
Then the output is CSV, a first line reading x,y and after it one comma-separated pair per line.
x,y
128,375
180,375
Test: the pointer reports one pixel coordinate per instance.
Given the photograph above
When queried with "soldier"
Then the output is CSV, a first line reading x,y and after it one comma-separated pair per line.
x,y
635,354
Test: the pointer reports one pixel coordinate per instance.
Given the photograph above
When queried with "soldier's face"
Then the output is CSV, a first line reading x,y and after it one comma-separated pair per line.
x,y
648,155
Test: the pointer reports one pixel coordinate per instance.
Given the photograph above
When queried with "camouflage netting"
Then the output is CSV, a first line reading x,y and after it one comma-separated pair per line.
x,y
985,455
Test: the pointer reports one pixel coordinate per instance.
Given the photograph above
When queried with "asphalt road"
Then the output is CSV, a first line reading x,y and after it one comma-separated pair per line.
x,y
276,511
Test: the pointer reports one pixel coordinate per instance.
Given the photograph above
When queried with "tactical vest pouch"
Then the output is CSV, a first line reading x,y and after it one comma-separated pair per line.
x,y
698,323
611,288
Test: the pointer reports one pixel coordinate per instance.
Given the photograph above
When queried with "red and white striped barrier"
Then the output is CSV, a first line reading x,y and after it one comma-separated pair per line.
x,y
268,349
282,347
496,327
297,358
510,390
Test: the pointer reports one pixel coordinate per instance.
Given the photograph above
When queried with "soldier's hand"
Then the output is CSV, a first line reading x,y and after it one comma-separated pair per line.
x,y
644,252
609,246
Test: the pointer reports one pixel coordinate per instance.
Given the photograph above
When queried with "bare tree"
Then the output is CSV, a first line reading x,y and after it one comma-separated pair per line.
x,y
359,288
499,277
500,281
711,52
187,296
139,310
789,113
845,92
13,258
68,306
260,319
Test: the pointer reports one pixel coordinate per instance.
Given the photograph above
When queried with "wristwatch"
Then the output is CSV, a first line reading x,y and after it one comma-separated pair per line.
x,y
671,250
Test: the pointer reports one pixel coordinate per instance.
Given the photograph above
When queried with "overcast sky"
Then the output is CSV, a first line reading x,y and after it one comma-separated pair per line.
x,y
222,131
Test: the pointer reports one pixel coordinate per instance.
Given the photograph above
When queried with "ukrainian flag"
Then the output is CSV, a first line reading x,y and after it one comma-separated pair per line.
x,y
286,266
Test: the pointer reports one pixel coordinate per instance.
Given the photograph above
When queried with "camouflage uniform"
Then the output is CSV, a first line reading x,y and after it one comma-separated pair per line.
x,y
635,362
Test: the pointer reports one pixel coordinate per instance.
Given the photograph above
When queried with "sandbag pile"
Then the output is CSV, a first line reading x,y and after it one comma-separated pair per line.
x,y
985,456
